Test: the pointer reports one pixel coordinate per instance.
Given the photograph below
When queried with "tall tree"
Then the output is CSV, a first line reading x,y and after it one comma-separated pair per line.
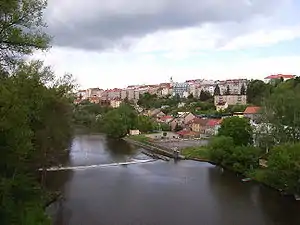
x,y
227,92
21,29
239,129
243,90
217,90
205,96
257,90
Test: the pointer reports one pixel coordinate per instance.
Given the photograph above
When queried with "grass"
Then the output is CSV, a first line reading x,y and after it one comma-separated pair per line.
x,y
141,138
196,152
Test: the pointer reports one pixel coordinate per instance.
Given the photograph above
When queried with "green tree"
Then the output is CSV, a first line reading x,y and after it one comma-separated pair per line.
x,y
217,90
243,90
227,92
283,170
21,29
257,90
205,96
282,110
219,148
239,129
145,124
36,116
114,125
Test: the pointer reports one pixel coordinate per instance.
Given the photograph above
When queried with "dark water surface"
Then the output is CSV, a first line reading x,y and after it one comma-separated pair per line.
x,y
160,193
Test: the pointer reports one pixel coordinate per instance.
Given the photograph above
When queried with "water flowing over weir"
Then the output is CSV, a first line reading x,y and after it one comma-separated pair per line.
x,y
135,161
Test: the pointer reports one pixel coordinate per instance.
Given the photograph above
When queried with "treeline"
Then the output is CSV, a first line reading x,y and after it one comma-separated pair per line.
x,y
35,114
169,104
275,140
116,123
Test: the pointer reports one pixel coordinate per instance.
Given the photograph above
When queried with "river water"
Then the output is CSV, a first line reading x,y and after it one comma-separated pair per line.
x,y
159,193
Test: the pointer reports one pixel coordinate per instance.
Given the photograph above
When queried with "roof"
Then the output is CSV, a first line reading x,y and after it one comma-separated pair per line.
x,y
186,132
166,117
278,76
214,122
252,110
200,121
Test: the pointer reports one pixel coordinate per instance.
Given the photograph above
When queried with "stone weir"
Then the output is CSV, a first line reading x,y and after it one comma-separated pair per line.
x,y
156,149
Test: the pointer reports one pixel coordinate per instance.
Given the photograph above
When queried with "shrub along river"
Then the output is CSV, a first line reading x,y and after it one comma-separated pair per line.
x,y
158,193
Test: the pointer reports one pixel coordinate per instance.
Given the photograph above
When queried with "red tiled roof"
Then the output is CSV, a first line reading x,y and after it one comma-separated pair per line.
x,y
186,132
200,121
278,76
214,122
166,117
252,110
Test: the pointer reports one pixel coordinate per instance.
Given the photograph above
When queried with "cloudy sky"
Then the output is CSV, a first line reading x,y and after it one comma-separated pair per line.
x,y
115,43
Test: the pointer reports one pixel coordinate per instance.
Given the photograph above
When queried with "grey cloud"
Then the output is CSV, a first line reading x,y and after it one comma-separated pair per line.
x,y
98,25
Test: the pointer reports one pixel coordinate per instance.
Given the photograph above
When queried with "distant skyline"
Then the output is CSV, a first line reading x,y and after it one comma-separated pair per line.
x,y
126,42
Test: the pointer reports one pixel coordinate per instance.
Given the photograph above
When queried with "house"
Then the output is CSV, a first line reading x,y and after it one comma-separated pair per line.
x,y
115,103
188,117
252,112
134,132
199,125
187,134
153,112
273,78
230,99
221,106
213,126
165,119
174,124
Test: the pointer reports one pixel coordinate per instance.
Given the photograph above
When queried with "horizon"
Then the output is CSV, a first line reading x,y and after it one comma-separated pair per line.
x,y
124,42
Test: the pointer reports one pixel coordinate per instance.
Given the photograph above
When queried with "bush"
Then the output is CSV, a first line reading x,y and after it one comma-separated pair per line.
x,y
239,129
220,148
238,158
283,170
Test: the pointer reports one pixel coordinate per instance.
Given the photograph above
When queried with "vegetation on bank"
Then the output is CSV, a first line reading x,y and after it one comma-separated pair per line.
x,y
116,123
239,147
35,114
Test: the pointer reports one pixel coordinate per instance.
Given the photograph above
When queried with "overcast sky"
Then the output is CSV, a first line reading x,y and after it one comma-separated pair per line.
x,y
115,43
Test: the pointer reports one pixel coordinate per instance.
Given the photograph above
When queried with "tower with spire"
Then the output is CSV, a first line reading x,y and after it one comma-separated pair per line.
x,y
171,82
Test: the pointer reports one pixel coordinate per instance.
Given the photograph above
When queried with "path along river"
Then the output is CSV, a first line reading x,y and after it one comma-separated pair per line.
x,y
158,193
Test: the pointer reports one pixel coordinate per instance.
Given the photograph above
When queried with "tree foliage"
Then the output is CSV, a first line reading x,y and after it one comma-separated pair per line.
x,y
243,90
205,96
283,170
228,91
241,159
257,90
217,90
36,127
239,129
21,29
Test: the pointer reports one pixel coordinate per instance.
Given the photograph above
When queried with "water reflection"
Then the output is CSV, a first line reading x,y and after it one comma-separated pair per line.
x,y
177,193
251,198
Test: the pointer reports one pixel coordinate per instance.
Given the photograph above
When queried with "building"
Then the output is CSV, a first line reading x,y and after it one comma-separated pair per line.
x,y
123,94
181,89
165,119
199,125
272,78
94,92
134,132
115,103
252,112
213,126
114,93
230,99
221,106
81,95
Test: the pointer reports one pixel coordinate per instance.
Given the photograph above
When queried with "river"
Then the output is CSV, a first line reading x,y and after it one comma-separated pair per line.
x,y
159,193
